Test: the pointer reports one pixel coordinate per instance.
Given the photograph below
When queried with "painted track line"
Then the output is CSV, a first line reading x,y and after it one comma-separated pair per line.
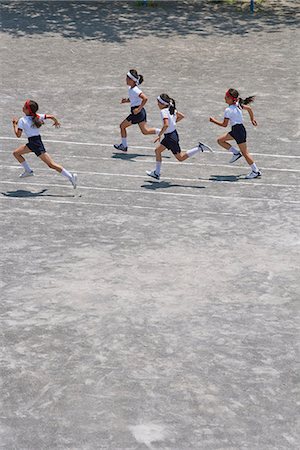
x,y
116,205
151,160
110,145
152,192
249,183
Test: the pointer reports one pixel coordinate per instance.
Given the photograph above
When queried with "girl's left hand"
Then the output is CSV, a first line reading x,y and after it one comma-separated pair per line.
x,y
254,122
157,139
15,120
56,124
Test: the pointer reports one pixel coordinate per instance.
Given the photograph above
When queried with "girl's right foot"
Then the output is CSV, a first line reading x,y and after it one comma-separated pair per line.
x,y
204,147
153,174
121,147
253,174
26,174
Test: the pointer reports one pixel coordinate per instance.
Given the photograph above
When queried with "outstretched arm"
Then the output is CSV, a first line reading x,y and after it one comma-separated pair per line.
x,y
56,123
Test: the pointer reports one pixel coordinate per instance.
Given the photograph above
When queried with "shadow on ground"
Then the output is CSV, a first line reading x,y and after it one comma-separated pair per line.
x,y
155,185
20,193
232,178
114,21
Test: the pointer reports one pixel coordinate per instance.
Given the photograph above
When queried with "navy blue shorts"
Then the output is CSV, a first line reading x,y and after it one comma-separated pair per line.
x,y
238,132
137,118
171,142
36,145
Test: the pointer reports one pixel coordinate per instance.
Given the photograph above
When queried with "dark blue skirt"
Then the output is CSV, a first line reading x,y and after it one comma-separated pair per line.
x,y
171,142
137,118
238,132
36,145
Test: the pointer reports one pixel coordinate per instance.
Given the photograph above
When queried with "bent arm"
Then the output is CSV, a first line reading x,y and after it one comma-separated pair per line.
x,y
54,119
17,131
179,116
217,122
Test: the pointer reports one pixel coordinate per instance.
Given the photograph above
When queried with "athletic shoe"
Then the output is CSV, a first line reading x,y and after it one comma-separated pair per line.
x,y
121,147
74,180
204,147
235,157
253,174
153,174
26,174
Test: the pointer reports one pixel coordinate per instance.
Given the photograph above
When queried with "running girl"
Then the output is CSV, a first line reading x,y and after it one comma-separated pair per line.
x,y
30,124
233,114
137,100
170,117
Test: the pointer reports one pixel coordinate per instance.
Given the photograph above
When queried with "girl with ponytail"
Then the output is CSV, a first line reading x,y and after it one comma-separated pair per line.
x,y
31,124
137,100
233,114
170,116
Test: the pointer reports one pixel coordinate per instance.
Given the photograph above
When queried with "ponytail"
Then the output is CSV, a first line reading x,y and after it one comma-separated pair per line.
x,y
141,79
172,106
246,101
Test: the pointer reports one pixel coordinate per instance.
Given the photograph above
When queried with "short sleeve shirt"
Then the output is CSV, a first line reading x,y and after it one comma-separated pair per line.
x,y
165,114
234,114
26,124
134,96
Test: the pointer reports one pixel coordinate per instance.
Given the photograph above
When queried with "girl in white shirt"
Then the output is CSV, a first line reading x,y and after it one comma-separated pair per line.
x,y
170,117
31,124
233,114
137,100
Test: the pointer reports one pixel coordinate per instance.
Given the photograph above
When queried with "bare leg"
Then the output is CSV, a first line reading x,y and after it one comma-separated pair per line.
x,y
46,158
125,124
222,141
22,150
145,130
244,150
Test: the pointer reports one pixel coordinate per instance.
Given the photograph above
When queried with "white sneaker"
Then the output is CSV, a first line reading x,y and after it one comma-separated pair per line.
x,y
74,180
235,157
253,174
153,174
26,174
205,148
121,147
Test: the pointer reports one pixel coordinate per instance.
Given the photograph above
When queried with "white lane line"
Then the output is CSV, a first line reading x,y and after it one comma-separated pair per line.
x,y
154,192
110,145
202,180
116,205
176,163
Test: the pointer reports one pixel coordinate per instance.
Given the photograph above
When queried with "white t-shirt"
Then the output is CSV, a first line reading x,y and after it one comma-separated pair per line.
x,y
165,114
133,94
26,124
234,114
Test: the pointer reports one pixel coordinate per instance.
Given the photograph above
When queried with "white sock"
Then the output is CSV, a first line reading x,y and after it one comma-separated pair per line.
x,y
124,142
26,166
66,174
157,130
157,167
254,167
193,151
234,150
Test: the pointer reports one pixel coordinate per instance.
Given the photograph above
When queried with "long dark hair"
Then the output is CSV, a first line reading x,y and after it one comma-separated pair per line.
x,y
170,101
136,75
235,94
33,107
